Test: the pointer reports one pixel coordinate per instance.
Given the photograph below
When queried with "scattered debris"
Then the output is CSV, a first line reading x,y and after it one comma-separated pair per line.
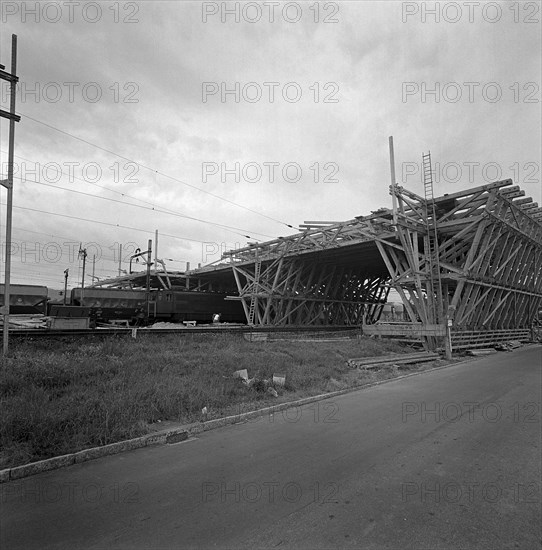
x,y
508,346
514,344
260,385
480,352
243,373
248,382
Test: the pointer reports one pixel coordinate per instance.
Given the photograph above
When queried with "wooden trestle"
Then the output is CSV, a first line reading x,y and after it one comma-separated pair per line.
x,y
489,245
474,256
490,257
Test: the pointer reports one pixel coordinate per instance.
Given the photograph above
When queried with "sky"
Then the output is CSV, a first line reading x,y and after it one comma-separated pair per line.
x,y
222,123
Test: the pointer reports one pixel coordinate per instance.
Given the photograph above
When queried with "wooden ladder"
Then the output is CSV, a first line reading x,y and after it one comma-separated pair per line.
x,y
253,298
432,252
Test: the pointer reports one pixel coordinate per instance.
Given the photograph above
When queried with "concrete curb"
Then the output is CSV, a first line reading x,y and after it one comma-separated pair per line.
x,y
182,433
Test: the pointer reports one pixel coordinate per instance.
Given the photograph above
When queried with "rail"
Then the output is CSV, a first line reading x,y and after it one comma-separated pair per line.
x,y
120,331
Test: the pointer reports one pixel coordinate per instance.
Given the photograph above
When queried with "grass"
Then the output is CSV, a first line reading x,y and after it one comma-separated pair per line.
x,y
63,396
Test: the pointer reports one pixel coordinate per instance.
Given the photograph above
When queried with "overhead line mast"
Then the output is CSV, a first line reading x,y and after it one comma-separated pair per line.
x,y
8,184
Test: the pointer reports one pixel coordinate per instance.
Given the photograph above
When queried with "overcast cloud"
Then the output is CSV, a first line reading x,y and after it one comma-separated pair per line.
x,y
341,86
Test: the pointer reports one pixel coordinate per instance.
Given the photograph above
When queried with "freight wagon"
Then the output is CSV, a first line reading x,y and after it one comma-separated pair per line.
x,y
164,305
105,304
26,299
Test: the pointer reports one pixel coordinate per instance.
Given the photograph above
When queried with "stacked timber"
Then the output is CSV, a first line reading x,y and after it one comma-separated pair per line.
x,y
24,321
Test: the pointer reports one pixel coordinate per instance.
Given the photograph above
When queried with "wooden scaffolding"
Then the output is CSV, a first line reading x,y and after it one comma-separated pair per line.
x,y
313,278
477,261
474,256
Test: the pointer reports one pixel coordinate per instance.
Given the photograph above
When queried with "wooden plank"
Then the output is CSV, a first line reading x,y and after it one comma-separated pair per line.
x,y
404,330
468,192
400,358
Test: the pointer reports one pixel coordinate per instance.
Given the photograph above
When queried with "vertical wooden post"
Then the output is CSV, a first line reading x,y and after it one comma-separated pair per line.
x,y
393,182
12,78
448,338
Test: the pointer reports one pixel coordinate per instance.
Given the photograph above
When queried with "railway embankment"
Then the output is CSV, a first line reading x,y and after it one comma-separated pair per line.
x,y
65,396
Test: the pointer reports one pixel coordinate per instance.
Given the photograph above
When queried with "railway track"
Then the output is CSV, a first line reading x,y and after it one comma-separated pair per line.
x,y
320,332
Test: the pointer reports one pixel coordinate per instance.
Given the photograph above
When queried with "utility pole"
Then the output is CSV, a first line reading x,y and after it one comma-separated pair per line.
x,y
148,253
8,184
83,254
66,271
93,266
120,257
148,281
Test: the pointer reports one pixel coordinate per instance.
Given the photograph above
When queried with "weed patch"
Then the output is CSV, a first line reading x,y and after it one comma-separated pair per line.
x,y
59,397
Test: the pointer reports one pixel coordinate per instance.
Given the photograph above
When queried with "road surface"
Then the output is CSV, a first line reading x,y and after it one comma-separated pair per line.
x,y
447,459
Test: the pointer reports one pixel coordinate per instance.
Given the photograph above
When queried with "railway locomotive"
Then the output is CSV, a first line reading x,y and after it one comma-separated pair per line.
x,y
105,305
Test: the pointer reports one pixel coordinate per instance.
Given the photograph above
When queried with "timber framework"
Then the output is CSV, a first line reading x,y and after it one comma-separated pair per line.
x,y
474,257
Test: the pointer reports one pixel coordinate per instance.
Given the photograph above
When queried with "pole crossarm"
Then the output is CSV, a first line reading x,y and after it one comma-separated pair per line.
x,y
10,116
10,77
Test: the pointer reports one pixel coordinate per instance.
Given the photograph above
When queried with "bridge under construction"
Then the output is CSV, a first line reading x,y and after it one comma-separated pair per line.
x,y
474,257
471,260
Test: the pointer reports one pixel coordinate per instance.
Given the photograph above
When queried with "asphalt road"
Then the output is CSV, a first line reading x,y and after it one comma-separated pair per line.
x,y
447,459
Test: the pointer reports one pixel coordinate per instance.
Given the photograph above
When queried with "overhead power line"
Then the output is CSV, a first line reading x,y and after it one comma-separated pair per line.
x,y
157,210
156,171
71,239
148,232
152,206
